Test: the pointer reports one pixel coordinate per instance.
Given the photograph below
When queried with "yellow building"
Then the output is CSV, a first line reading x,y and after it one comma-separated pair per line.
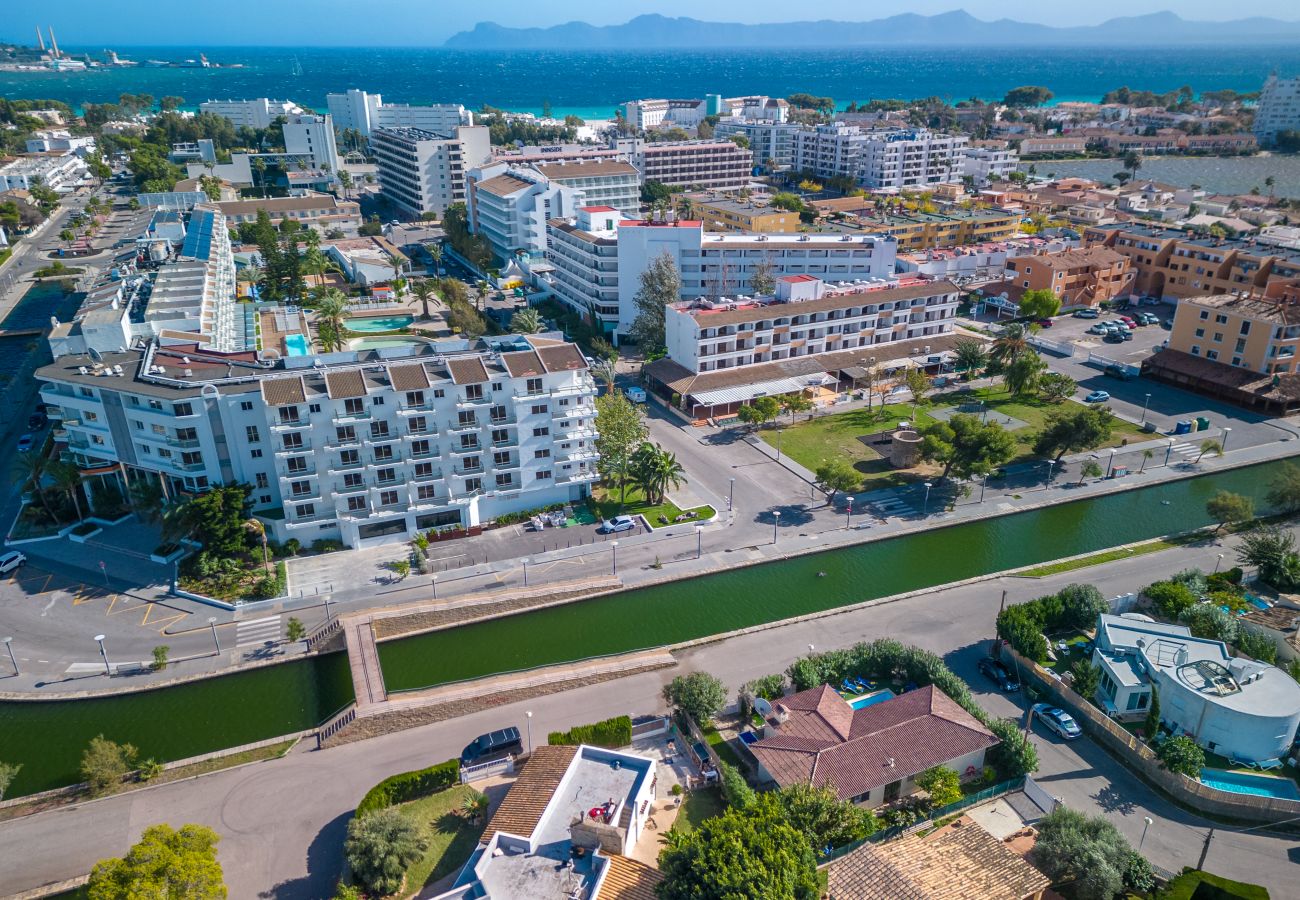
x,y
740,216
952,228
1248,331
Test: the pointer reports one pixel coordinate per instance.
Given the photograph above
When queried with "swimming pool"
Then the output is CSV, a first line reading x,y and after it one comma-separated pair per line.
x,y
1246,783
1257,602
378,324
872,699
297,344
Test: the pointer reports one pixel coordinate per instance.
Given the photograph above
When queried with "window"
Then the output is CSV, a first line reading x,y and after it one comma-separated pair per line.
x,y
419,448
251,435
377,401
469,442
353,479
544,474
1241,345
350,457
501,458
500,436
256,453
1245,327
415,398
473,485
297,464
498,414
426,492
354,406
504,480
305,510
466,419
1220,319
378,430
472,464
418,425
146,449
293,441
313,407
541,454
439,393
1205,314
288,415
245,405
386,475
1200,332
356,504
496,385
424,470
388,498
183,409
300,488
1211,354
1196,349
87,392
534,385
383,453
94,417
473,392
541,432
346,434
1218,337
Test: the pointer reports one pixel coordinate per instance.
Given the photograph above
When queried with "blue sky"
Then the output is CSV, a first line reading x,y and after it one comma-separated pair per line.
x,y
98,23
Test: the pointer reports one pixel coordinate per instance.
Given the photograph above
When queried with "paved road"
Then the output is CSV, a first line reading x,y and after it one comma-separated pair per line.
x,y
282,822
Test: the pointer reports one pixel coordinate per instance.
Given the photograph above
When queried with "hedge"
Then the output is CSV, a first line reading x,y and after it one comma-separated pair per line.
x,y
408,786
611,734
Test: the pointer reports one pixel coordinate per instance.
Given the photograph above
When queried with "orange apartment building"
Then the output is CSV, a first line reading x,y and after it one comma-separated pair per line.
x,y
1175,264
1085,277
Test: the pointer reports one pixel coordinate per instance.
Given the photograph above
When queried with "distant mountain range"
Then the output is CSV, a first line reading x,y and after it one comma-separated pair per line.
x,y
954,28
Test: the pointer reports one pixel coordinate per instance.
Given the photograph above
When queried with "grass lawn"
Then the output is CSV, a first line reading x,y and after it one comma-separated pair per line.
x,y
1075,650
812,442
1188,885
698,806
1105,556
605,504
451,838
721,747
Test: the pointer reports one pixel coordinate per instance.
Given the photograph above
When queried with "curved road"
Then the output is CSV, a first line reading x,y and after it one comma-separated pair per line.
x,y
283,822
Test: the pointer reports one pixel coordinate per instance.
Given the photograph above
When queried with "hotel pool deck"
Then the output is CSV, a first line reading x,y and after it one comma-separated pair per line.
x,y
297,345
1246,783
378,324
385,342
872,699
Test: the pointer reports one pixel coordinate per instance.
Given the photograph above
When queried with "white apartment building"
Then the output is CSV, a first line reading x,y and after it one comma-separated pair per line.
x,y
58,173
768,140
603,182
358,447
710,165
510,207
807,317
58,140
1278,109
987,164
893,159
308,141
259,113
425,171
365,112
583,254
531,155
647,115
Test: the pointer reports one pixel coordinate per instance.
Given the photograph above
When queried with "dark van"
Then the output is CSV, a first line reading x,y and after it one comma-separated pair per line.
x,y
492,746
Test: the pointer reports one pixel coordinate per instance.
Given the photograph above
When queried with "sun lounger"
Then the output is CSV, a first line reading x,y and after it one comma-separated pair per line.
x,y
1242,761
849,687
1267,764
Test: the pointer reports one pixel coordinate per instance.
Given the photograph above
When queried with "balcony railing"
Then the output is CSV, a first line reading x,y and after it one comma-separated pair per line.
x,y
290,424
288,451
344,417
342,466
431,476
341,488
286,472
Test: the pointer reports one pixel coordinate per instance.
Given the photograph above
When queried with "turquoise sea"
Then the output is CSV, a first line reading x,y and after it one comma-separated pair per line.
x,y
592,84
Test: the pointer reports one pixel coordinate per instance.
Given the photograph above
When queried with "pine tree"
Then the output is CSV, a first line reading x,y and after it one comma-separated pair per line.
x,y
661,284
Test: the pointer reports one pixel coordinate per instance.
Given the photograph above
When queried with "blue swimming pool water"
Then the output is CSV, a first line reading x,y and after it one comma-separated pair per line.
x,y
748,737
1246,783
297,344
379,324
871,699
1256,602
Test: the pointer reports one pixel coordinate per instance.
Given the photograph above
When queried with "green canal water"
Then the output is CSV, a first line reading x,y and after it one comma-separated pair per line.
x,y
47,737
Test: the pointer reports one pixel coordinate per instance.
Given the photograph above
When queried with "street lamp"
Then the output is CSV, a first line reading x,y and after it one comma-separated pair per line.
x,y
327,606
1050,463
848,514
810,648
984,483
778,444
613,549
1223,444
1144,409
699,541
9,645
212,623
776,523
529,716
1218,563
108,670
1110,466
1169,449
731,495
925,511
525,573
1146,823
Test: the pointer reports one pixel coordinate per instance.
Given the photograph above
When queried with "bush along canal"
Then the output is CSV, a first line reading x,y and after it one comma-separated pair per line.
x,y
699,607
48,736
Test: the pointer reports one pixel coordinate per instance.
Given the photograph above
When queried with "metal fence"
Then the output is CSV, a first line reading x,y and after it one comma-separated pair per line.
x,y
504,766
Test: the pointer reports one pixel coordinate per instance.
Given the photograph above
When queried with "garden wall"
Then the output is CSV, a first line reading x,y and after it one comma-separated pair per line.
x,y
1139,757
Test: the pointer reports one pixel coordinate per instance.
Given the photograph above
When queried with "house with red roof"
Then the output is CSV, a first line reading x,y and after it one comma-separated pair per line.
x,y
869,755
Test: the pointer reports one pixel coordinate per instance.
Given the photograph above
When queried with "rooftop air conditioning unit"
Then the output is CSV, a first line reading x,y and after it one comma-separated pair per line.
x,y
82,370
188,373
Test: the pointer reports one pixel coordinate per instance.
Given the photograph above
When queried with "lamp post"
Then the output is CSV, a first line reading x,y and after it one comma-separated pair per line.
x,y
1145,403
1169,449
529,717
1218,562
731,496
108,669
327,608
699,541
810,648
525,572
212,623
435,585
776,523
1050,463
848,514
1223,444
9,645
984,483
778,445
925,510
1146,823
613,549
1110,466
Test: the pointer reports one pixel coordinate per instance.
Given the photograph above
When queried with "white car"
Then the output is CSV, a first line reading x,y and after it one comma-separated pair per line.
x,y
1058,720
617,524
10,561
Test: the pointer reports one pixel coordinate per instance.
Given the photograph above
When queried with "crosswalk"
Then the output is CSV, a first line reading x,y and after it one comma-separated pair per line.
x,y
1186,450
893,506
257,631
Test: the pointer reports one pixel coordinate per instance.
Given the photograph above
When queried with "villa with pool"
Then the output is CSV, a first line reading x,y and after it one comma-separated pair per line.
x,y
1239,708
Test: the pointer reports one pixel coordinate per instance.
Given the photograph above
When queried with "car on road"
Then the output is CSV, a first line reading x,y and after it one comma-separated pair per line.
x,y
1150,301
636,394
1058,720
10,561
491,747
1045,323
1097,397
1086,314
617,524
26,442
997,673
1117,372
36,420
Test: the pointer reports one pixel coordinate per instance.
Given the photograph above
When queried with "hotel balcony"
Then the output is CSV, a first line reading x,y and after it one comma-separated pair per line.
x,y
435,475
341,488
286,472
290,451
290,425
346,418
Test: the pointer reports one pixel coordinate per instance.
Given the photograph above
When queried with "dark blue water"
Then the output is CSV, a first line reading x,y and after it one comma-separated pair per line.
x,y
592,84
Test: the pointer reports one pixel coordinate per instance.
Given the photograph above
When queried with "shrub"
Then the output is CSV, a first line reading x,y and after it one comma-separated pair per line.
x,y
1256,643
104,764
735,789
160,657
326,545
1016,755
1181,755
941,783
699,695
1087,851
1194,579
292,546
611,733
379,847
1170,598
1208,621
408,786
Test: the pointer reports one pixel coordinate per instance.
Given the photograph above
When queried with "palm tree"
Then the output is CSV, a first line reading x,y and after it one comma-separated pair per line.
x,y
33,467
148,500
656,470
1210,446
526,321
331,316
1013,341
970,356
259,166
1146,455
435,254
1268,183
396,262
604,371
422,288
67,478
475,806
483,287
255,526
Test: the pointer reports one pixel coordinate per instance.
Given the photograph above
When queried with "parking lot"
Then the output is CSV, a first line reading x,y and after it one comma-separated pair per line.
x,y
1146,338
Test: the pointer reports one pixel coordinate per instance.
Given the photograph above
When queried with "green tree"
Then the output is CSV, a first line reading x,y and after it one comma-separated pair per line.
x,y
753,854
1207,620
294,630
8,772
160,657
759,411
166,864
699,694
1027,95
822,817
379,847
1074,431
1039,304
1272,551
104,764
917,384
1085,852
656,470
466,320
620,430
836,475
1016,754
1228,508
971,356
1010,344
735,789
786,201
1284,490
795,403
1209,446
1151,725
1181,755
1087,678
1023,372
526,321
67,478
1056,388
1090,469
661,284
1078,606
1256,643
331,319
965,446
941,783
1132,161
763,280
423,290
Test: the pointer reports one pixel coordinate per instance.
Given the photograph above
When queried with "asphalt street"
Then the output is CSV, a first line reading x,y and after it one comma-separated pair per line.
x,y
282,822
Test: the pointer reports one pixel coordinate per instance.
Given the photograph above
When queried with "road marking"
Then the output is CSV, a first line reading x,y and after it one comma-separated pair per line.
x,y
162,623
257,631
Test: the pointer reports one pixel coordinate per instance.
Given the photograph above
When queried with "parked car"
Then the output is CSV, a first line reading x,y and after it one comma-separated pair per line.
x,y
1167,324
1129,321
1114,337
1058,720
36,420
10,561
492,746
1126,335
1099,328
26,442
1086,314
1097,397
1151,301
997,673
636,394
1117,372
617,524
1045,323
